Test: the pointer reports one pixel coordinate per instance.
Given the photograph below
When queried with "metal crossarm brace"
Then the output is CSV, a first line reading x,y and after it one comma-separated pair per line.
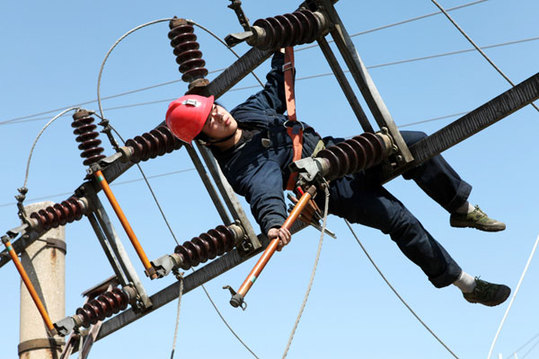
x,y
363,79
477,120
115,165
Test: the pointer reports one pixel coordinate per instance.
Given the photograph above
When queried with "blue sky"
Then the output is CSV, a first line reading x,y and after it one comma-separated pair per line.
x,y
51,57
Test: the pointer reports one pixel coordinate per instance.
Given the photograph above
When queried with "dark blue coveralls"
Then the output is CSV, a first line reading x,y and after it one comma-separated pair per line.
x,y
257,168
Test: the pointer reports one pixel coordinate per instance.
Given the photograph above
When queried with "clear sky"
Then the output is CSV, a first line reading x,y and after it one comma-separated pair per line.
x,y
51,54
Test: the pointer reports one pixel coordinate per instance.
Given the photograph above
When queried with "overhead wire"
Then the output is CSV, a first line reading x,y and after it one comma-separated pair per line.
x,y
299,49
392,63
476,46
37,138
402,22
513,297
396,292
514,353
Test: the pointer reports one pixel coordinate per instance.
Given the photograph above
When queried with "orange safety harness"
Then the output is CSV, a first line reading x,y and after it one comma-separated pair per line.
x,y
295,132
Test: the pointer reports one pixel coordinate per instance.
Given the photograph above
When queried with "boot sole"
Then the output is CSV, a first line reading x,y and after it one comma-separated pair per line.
x,y
479,227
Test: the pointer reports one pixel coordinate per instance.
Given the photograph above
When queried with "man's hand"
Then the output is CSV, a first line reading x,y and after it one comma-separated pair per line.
x,y
283,234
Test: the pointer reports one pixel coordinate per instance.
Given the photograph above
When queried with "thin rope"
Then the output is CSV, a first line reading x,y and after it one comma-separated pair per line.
x,y
180,278
397,293
326,205
476,47
513,298
110,51
37,138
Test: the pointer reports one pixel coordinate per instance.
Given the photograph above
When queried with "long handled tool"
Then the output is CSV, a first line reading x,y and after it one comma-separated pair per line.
x,y
149,269
29,286
238,297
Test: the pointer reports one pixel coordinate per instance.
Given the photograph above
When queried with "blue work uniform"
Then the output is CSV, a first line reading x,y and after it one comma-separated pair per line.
x,y
257,168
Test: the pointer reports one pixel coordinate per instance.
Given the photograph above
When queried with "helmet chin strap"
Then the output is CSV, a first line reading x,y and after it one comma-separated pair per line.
x,y
213,142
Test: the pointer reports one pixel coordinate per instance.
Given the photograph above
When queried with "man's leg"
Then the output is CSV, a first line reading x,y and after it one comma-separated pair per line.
x,y
361,201
443,184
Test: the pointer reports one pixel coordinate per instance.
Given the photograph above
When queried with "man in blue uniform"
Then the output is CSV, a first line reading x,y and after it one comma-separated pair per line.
x,y
254,151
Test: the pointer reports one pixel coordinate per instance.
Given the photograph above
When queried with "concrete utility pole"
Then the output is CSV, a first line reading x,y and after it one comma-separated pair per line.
x,y
44,262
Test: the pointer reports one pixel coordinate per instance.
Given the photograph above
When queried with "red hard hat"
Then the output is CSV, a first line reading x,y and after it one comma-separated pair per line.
x,y
187,115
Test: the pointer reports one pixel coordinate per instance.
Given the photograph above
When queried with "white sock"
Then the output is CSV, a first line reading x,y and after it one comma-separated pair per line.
x,y
465,282
465,208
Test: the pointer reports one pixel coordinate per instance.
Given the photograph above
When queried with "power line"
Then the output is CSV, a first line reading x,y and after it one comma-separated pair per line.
x,y
219,70
386,64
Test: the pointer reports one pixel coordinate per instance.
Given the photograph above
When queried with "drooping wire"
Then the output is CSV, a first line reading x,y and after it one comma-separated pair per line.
x,y
476,47
110,51
513,297
326,205
37,138
397,293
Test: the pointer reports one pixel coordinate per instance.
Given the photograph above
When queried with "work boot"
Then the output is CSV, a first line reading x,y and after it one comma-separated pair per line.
x,y
488,294
476,219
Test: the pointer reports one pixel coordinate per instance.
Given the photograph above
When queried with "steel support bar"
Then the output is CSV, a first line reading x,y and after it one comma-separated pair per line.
x,y
345,85
477,120
168,294
229,196
208,184
119,251
363,79
116,166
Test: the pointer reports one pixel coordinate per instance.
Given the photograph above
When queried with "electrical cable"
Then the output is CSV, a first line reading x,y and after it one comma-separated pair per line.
x,y
513,297
530,350
30,118
477,47
326,205
110,51
37,138
299,49
395,291
224,320
402,22
524,345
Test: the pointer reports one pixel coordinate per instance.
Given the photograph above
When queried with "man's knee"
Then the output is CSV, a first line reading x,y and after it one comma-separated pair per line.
x,y
411,137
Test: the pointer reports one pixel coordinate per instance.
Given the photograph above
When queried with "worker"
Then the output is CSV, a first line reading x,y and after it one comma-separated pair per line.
x,y
254,151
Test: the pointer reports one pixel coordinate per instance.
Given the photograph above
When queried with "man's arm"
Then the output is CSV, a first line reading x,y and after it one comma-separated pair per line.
x,y
272,96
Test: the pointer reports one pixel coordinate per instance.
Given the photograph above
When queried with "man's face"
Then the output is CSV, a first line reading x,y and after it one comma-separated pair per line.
x,y
220,124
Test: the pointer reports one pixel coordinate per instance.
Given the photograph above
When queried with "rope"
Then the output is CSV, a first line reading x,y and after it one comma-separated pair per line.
x,y
513,298
37,138
395,291
179,276
326,205
477,47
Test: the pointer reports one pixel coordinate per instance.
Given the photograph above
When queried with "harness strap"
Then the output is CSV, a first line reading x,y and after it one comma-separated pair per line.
x,y
295,132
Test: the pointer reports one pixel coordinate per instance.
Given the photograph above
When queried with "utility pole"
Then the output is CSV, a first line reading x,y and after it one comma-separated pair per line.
x,y
44,261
